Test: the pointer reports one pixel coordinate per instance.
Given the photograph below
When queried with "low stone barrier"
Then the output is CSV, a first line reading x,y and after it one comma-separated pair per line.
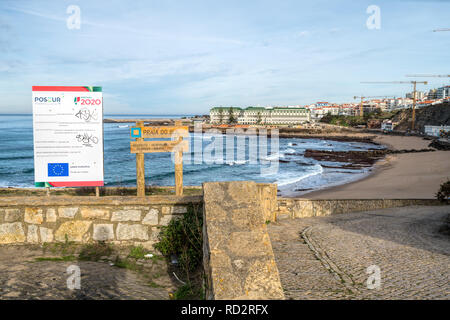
x,y
120,220
303,208
238,258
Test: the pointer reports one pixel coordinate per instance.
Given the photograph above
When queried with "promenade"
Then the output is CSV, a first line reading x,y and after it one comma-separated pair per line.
x,y
327,257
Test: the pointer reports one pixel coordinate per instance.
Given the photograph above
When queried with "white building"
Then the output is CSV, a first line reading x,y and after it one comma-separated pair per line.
x,y
436,130
261,116
419,95
439,93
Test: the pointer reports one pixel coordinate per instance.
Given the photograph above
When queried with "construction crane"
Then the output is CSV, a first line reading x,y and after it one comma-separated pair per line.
x,y
361,111
414,83
429,75
443,29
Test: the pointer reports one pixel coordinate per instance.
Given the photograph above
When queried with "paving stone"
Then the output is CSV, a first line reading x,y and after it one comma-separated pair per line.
x,y
405,243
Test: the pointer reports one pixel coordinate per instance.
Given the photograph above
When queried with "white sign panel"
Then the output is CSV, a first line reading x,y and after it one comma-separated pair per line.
x,y
68,136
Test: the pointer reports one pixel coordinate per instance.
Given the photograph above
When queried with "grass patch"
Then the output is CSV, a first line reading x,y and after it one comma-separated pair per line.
x,y
138,252
94,251
127,264
64,248
188,292
57,259
154,285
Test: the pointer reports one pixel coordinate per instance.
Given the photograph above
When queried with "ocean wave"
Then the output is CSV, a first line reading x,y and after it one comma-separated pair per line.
x,y
16,158
237,162
273,157
289,151
287,181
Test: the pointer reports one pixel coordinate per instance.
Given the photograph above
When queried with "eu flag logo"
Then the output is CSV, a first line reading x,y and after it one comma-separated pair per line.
x,y
58,169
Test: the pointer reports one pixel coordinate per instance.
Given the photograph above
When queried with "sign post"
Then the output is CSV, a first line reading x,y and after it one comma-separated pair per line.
x,y
140,147
140,168
179,165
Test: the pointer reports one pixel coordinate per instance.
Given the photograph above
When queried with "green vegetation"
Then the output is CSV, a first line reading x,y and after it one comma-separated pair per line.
x,y
183,238
127,264
344,121
444,192
353,121
64,248
188,292
231,117
138,252
258,118
57,259
94,251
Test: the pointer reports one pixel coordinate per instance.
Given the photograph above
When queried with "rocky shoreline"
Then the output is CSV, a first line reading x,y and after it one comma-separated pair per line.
x,y
355,159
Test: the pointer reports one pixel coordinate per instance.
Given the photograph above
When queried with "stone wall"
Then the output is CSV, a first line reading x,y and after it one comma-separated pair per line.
x,y
120,220
302,208
238,258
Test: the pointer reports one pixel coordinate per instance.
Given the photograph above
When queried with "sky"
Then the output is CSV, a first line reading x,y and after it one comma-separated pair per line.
x,y
183,57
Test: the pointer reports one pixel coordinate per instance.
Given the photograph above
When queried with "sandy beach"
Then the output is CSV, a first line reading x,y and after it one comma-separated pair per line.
x,y
401,176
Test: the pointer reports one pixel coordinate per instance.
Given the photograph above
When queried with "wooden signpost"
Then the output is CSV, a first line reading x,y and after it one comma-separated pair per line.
x,y
177,145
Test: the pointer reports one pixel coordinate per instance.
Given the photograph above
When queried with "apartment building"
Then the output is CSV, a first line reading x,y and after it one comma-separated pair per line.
x,y
262,116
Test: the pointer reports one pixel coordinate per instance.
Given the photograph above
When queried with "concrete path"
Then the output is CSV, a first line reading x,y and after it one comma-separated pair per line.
x,y
328,257
22,277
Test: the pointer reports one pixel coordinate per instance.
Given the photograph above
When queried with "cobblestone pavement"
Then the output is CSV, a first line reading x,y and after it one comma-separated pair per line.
x,y
327,257
22,277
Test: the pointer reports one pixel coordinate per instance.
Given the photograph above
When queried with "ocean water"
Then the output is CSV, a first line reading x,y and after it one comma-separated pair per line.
x,y
294,173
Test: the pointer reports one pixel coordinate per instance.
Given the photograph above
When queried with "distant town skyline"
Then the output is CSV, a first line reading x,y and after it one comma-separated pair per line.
x,y
180,57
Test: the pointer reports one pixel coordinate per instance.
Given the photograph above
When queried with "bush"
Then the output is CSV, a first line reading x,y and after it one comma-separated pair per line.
x,y
183,237
444,192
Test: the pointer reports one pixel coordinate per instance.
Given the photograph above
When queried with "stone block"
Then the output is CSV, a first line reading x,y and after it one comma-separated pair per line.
x,y
13,215
34,215
51,215
179,210
32,234
155,233
151,218
238,258
166,210
68,213
149,245
11,233
103,232
165,220
46,234
89,213
131,232
126,215
75,231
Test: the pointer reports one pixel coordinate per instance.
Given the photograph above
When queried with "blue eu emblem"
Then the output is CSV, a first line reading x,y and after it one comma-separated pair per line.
x,y
58,169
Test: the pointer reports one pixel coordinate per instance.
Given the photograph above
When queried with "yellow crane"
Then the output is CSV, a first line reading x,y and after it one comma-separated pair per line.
x,y
414,83
429,75
361,111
